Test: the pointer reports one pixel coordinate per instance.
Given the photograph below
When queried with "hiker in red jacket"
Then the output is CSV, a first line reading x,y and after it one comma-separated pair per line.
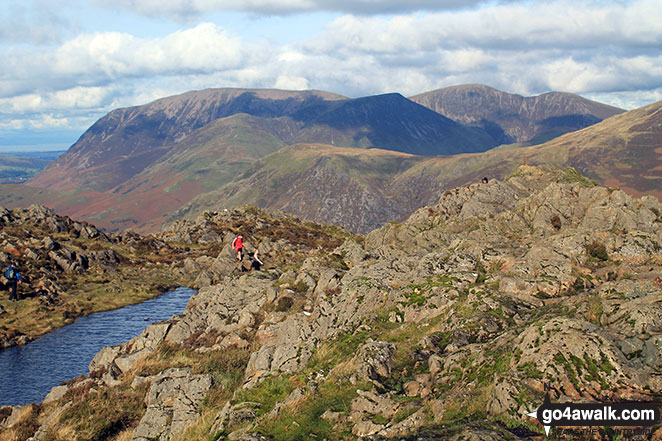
x,y
238,245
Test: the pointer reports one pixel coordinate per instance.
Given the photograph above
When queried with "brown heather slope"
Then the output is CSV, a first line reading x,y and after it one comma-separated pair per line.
x,y
514,118
344,186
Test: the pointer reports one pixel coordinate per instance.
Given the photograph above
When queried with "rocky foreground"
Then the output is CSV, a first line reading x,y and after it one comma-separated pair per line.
x,y
451,325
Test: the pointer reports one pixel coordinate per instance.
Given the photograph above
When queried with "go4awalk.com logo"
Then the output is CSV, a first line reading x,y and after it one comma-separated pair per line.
x,y
635,414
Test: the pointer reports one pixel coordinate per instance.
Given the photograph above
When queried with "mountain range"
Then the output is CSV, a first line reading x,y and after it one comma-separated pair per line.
x,y
356,162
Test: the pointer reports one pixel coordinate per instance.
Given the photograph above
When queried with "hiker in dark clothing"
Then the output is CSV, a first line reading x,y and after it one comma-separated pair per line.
x,y
485,180
13,279
256,263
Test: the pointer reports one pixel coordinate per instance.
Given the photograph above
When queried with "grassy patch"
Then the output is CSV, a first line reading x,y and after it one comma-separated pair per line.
x,y
419,293
304,422
330,354
529,370
267,394
106,413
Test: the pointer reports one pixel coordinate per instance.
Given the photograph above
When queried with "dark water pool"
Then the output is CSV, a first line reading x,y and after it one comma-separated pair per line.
x,y
27,373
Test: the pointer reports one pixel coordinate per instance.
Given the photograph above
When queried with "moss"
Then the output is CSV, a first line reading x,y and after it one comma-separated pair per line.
x,y
337,261
267,394
560,359
529,370
577,363
605,364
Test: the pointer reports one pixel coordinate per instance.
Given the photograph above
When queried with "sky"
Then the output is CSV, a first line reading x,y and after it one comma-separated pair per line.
x,y
65,64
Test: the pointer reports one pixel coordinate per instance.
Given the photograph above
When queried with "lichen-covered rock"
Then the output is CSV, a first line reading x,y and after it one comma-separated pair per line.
x,y
375,360
173,402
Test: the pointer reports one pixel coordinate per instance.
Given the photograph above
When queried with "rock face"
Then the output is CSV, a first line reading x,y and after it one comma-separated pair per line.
x,y
470,311
172,404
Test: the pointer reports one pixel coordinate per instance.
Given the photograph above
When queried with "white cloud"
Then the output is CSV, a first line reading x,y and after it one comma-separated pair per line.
x,y
204,48
32,21
598,49
74,98
185,9
291,83
516,27
524,48
49,121
12,124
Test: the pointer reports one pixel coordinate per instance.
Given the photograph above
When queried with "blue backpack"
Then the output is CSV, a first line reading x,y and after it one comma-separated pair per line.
x,y
10,273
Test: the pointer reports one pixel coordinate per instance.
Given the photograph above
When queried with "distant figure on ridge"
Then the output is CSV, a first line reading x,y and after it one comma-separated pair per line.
x,y
485,180
13,279
238,245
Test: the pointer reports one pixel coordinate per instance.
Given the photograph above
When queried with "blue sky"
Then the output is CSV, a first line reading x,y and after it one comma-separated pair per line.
x,y
67,63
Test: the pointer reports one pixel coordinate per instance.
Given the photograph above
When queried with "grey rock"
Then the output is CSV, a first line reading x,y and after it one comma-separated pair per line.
x,y
55,394
376,360
172,404
42,432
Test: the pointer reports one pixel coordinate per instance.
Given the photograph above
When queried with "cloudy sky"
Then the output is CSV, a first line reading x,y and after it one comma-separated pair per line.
x,y
67,63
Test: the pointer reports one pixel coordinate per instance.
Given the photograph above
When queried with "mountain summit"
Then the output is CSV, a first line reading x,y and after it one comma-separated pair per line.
x,y
514,118
126,141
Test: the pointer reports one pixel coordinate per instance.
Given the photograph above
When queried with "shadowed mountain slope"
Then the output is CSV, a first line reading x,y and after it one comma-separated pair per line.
x,y
513,118
393,122
363,190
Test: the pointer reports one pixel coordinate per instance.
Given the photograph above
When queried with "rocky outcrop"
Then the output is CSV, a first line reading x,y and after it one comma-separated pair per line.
x,y
172,404
470,311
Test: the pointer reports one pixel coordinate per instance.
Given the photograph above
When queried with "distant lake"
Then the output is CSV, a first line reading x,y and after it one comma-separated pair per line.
x,y
29,372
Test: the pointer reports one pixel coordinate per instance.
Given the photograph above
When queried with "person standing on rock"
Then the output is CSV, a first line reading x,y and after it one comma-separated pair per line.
x,y
13,279
238,245
256,263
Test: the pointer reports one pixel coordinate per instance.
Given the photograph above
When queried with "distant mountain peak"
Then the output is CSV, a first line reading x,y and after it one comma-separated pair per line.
x,y
518,118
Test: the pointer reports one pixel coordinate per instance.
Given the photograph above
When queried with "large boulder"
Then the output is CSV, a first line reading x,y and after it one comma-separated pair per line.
x,y
173,402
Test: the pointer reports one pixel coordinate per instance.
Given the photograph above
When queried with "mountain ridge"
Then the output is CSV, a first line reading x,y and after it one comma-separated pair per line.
x,y
603,152
521,119
144,182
